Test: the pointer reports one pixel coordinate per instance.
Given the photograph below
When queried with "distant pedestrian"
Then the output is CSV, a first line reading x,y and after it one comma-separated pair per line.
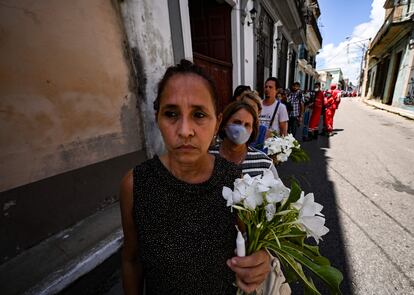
x,y
252,98
238,92
316,112
274,115
296,102
309,97
331,103
282,96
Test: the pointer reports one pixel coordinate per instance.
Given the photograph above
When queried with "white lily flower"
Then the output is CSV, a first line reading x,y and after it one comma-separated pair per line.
x,y
270,211
273,145
277,192
314,226
267,181
310,216
228,195
307,205
282,157
237,197
246,192
288,152
253,198
290,139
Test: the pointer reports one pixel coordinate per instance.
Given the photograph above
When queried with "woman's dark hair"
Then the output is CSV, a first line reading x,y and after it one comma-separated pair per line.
x,y
239,90
183,68
233,108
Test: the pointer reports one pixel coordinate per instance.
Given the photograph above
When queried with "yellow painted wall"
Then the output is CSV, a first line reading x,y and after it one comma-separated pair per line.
x,y
65,95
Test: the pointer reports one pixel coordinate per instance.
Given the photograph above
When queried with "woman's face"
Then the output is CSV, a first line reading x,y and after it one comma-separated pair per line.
x,y
187,117
244,118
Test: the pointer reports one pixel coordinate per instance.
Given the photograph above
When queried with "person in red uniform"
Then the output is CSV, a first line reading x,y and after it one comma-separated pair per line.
x,y
331,103
316,112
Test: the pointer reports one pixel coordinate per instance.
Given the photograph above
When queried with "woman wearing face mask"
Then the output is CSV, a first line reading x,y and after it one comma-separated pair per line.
x,y
252,98
238,128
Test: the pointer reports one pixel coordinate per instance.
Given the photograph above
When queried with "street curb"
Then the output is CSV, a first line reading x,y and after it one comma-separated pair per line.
x,y
69,273
404,113
55,263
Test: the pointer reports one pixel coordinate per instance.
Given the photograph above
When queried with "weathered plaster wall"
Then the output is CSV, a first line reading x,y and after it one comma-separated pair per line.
x,y
65,99
149,35
404,74
249,50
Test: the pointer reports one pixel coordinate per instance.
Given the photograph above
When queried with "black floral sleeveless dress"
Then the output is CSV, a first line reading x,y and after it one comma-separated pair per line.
x,y
185,231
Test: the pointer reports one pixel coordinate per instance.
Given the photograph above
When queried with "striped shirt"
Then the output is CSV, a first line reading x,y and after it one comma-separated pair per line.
x,y
255,163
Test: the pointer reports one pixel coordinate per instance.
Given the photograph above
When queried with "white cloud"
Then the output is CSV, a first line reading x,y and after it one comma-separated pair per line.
x,y
347,55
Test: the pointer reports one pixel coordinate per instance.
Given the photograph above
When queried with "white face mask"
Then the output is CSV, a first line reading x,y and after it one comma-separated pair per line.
x,y
316,89
237,133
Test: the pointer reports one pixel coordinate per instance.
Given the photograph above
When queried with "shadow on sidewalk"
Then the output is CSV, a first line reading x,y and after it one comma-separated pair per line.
x,y
313,177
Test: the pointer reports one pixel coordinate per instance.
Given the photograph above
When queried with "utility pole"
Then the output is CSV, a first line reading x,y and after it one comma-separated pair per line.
x,y
362,44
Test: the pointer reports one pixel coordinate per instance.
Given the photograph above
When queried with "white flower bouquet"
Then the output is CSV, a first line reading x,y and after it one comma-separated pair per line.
x,y
279,219
280,149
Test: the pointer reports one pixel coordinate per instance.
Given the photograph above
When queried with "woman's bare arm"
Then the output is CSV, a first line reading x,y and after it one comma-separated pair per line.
x,y
132,276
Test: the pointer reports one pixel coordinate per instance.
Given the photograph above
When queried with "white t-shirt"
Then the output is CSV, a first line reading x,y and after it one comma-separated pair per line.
x,y
267,113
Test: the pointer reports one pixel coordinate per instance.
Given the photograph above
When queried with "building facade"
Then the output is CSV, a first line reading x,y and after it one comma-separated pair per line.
x,y
71,121
389,70
331,76
77,92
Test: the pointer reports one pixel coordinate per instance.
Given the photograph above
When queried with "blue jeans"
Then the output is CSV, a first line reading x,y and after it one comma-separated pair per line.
x,y
293,125
306,118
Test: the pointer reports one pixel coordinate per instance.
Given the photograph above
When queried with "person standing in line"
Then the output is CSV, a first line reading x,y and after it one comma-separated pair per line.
x,y
316,112
295,100
238,92
309,98
274,115
253,98
238,128
281,95
331,102
179,235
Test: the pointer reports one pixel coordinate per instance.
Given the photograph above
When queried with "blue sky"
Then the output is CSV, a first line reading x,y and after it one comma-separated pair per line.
x,y
356,19
339,17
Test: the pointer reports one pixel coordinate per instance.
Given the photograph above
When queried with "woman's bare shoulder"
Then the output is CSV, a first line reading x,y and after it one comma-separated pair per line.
x,y
127,184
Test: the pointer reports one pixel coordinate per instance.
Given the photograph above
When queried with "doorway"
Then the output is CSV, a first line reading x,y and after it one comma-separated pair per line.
x,y
210,23
394,77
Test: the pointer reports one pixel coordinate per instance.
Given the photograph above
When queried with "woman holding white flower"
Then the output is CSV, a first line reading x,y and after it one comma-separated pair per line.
x,y
179,236
238,128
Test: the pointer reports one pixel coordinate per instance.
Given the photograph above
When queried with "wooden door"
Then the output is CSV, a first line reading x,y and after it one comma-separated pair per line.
x,y
211,40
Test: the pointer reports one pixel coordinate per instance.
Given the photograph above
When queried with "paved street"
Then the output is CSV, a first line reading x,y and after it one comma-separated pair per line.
x,y
364,177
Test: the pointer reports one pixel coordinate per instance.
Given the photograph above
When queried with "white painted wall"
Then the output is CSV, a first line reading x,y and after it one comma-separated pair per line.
x,y
249,58
275,50
186,28
148,29
66,96
403,74
236,44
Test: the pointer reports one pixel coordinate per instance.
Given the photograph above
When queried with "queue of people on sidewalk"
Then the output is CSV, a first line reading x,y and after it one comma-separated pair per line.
x,y
178,233
285,110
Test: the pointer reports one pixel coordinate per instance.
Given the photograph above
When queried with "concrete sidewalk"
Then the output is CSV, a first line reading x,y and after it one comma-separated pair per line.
x,y
377,104
58,261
